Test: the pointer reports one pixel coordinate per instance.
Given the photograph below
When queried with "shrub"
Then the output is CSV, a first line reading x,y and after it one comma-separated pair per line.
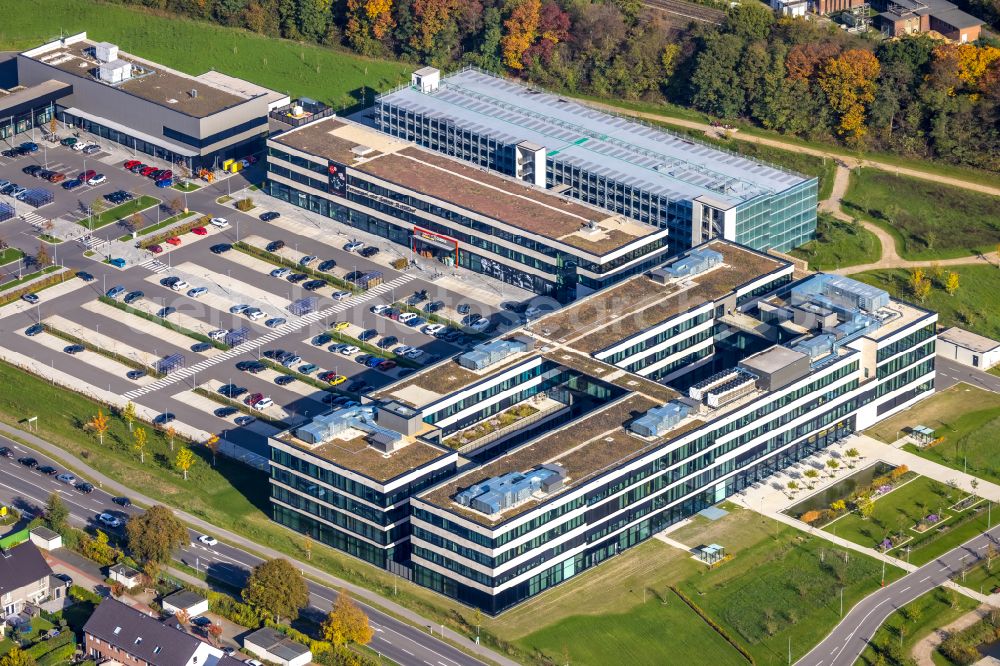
x,y
245,204
810,516
399,264
47,646
61,655
54,278
235,611
77,593
896,473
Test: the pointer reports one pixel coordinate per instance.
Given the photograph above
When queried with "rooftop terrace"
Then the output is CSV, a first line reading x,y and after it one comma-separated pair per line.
x,y
572,133
614,314
494,196
151,81
356,455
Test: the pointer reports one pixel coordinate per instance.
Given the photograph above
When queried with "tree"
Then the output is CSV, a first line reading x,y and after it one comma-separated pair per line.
x,y
849,83
184,460
308,547
171,433
749,21
154,534
97,207
521,30
922,290
833,464
715,81
214,631
56,513
793,486
100,424
182,617
838,505
369,22
176,205
951,283
865,506
346,623
276,588
212,443
17,657
129,414
42,256
852,453
140,438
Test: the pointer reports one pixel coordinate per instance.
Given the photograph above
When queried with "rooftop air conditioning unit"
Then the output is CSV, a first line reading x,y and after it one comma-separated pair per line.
x,y
193,92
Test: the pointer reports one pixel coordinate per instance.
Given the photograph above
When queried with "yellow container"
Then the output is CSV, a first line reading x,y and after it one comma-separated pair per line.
x,y
237,167
227,164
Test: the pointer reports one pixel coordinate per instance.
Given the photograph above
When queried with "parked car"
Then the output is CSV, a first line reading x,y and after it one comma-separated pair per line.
x,y
388,341
296,278
197,291
97,180
239,308
308,259
133,296
368,251
85,276
34,330
164,418
91,149
30,298
270,215
69,141
245,420
367,334
223,412
200,347
135,374
274,246
138,168
200,231
275,322
220,248
174,240
386,365
217,334
308,368
155,249
147,171
165,182
128,163
86,175
179,285
281,272
263,403
72,184
341,295
166,311
219,222
284,380
74,349
327,265
232,390
354,246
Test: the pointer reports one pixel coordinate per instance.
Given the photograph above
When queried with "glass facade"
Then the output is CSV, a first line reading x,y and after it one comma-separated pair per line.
x,y
780,221
25,120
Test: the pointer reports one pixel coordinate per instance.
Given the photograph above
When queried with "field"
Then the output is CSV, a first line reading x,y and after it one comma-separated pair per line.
x,y
839,244
780,584
337,78
972,307
908,625
119,212
929,220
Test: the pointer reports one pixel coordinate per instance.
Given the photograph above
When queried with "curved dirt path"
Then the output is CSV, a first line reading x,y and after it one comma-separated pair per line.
x,y
777,143
925,647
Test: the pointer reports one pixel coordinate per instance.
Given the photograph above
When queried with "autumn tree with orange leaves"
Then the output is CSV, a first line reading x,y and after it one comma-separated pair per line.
x,y
368,24
520,30
849,83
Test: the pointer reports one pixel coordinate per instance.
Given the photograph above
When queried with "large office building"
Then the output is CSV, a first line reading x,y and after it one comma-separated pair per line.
x,y
694,190
447,210
540,454
149,108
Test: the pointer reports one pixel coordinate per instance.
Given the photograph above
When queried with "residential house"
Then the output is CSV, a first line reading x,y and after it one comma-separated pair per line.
x,y
273,646
26,578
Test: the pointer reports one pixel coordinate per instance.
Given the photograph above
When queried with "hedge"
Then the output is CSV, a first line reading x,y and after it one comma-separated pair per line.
x,y
78,593
176,231
713,624
61,655
163,322
278,260
124,360
55,278
238,404
65,637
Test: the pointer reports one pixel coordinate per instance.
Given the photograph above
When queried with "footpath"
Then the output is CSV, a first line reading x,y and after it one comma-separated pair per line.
x,y
319,575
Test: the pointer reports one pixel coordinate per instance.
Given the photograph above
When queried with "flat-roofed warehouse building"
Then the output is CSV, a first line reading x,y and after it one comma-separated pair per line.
x,y
569,452
694,190
447,210
149,108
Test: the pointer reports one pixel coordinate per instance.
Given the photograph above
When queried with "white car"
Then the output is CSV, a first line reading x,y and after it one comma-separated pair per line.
x,y
406,316
256,315
197,291
281,272
217,334
98,179
402,349
80,145
263,403
208,540
179,285
480,324
378,309
219,222
307,260
109,520
414,354
341,295
252,662
349,350
354,246
431,329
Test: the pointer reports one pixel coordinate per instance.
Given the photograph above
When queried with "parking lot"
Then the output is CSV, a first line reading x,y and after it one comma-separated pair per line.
x,y
307,361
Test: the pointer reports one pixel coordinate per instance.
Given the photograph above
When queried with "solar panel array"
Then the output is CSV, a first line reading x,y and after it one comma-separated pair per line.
x,y
616,148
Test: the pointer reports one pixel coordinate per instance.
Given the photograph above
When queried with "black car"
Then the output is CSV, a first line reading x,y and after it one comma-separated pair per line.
x,y
166,312
135,374
74,349
367,334
358,387
275,353
34,330
313,285
269,215
368,251
223,412
47,469
85,276
170,281
464,308
6,452
295,278
284,380
220,248
28,462
232,390
200,347
32,170
320,339
470,319
164,418
387,342
327,265
274,246
244,365
133,296
122,501
433,306
85,487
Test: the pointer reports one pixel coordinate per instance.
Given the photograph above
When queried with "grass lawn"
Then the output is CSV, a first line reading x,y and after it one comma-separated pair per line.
x,y
913,622
186,187
159,225
929,220
839,244
335,77
777,586
119,212
973,306
30,276
10,254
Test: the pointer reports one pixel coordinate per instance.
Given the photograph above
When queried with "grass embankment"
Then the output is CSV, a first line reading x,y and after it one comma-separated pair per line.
x,y
928,220
118,212
973,306
902,630
28,278
10,254
163,322
839,244
106,353
335,77
968,421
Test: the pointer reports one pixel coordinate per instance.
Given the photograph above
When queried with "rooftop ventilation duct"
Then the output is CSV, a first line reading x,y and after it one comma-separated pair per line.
x,y
489,353
660,420
502,492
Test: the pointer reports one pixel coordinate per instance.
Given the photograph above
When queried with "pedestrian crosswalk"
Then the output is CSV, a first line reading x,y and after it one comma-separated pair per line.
x,y
92,242
267,338
34,219
154,265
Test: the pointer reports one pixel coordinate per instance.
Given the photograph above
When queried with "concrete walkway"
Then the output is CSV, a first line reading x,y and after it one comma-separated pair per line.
x,y
240,541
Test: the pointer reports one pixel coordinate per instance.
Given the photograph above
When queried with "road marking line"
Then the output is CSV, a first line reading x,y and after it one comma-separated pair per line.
x,y
944,568
925,578
905,588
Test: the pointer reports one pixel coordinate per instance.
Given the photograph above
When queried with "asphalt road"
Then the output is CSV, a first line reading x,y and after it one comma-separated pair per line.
x,y
29,490
950,372
847,641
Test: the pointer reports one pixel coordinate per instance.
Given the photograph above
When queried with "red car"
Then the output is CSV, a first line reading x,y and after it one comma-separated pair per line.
x,y
131,163
253,398
387,364
86,175
200,231
57,177
326,376
155,249
148,170
165,175
174,240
